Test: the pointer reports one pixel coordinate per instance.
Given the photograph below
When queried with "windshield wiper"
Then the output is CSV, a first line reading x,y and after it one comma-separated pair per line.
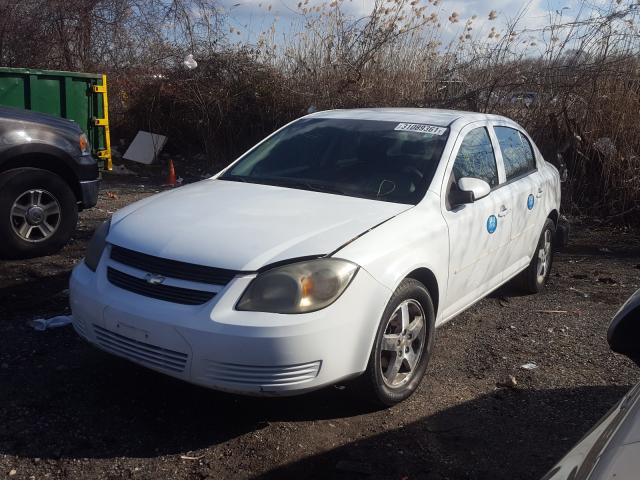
x,y
286,182
317,187
279,182
322,187
234,178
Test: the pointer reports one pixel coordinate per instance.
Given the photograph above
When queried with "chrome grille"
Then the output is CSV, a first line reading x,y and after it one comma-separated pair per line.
x,y
185,296
141,352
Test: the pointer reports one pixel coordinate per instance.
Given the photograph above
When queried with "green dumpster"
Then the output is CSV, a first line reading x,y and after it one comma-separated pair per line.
x,y
81,97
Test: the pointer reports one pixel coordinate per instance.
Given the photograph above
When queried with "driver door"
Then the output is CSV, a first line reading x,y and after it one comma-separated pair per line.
x,y
479,232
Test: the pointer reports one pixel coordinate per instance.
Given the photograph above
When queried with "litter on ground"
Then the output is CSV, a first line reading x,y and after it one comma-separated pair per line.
x,y
529,366
145,147
42,324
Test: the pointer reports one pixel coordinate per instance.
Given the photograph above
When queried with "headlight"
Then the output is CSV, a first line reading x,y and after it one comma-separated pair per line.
x,y
298,288
96,245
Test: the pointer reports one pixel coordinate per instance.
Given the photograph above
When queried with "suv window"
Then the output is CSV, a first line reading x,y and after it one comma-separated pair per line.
x,y
476,158
516,152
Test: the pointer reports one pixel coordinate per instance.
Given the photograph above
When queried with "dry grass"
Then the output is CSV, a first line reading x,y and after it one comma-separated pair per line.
x,y
574,83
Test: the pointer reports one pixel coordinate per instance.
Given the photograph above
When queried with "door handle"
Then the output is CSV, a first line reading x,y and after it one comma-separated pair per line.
x,y
504,211
540,192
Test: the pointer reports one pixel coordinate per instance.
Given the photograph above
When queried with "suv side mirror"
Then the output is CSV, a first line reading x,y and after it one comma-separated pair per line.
x,y
471,190
624,331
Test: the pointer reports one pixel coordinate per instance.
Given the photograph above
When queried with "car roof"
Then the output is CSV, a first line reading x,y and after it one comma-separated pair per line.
x,y
432,116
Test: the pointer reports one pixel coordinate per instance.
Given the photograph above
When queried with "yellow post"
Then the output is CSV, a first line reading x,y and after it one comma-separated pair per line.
x,y
104,122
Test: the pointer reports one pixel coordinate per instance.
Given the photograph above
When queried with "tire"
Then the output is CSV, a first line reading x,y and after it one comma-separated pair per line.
x,y
388,390
38,213
533,279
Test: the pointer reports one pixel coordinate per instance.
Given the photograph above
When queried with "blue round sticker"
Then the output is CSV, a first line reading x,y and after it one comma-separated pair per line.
x,y
492,224
530,202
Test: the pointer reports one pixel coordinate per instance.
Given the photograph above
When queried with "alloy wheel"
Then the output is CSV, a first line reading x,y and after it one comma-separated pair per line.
x,y
35,215
403,343
544,257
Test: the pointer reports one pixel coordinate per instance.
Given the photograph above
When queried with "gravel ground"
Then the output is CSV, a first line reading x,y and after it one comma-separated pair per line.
x,y
69,411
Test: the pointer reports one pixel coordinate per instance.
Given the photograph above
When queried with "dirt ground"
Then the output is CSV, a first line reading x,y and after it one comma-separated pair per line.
x,y
69,411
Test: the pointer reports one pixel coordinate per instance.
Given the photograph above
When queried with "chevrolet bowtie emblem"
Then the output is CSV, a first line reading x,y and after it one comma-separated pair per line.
x,y
154,279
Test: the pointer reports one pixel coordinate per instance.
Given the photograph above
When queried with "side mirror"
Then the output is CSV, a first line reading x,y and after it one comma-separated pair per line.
x,y
473,189
624,331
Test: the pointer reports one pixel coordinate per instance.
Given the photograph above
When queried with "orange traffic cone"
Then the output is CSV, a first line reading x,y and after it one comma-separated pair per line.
x,y
171,177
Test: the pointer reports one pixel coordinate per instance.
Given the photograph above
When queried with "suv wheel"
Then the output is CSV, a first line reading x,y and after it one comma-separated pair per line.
x,y
38,213
402,346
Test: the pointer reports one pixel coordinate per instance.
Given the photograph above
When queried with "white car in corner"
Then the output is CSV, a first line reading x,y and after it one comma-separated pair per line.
x,y
332,249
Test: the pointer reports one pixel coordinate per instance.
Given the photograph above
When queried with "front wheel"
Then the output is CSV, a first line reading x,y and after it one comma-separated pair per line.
x,y
402,346
38,213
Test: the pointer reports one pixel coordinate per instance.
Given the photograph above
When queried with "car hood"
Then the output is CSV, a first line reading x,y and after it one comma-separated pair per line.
x,y
244,226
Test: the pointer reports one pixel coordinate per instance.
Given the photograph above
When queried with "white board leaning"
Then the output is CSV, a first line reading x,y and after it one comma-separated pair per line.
x,y
145,147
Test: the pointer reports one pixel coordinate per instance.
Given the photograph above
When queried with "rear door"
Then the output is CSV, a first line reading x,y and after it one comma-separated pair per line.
x,y
479,231
525,185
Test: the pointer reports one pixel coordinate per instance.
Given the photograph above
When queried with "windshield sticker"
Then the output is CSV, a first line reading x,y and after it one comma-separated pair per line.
x,y
420,128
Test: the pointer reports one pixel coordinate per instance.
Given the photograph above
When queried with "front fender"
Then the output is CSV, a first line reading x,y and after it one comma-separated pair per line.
x,y
417,238
34,148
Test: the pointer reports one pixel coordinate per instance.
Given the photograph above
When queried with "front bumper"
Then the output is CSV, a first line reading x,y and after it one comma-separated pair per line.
x,y
89,193
218,347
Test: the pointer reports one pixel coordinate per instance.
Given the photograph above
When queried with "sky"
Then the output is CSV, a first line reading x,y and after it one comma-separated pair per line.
x,y
250,17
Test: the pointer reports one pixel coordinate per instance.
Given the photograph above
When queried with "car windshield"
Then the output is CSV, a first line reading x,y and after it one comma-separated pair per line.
x,y
380,160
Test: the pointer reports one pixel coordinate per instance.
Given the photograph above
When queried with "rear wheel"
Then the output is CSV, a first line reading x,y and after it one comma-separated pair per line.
x,y
532,280
38,213
403,345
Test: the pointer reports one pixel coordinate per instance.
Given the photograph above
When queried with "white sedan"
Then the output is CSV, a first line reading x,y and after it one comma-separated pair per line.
x,y
330,250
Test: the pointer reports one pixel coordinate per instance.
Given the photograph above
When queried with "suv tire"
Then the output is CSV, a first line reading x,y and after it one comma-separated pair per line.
x,y
38,213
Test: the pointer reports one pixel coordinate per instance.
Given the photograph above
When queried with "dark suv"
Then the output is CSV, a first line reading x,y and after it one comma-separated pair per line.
x,y
47,174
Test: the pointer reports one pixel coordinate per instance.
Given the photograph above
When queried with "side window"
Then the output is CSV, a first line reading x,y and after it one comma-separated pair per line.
x,y
476,159
516,152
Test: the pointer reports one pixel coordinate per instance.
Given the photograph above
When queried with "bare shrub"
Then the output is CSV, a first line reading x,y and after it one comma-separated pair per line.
x,y
229,102
574,83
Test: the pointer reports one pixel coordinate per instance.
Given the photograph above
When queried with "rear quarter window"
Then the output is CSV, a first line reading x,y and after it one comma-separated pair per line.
x,y
517,152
